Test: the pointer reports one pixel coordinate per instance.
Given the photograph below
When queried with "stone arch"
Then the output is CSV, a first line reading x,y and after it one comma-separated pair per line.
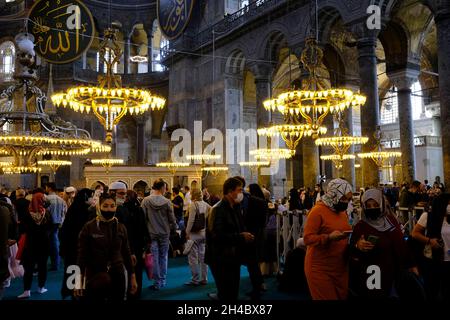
x,y
7,59
394,39
271,44
334,62
235,63
328,16
141,186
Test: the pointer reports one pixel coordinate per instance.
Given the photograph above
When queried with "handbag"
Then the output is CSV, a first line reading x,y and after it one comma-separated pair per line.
x,y
200,220
15,268
21,246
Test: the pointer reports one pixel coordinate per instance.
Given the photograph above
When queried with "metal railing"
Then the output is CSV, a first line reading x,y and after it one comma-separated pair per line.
x,y
229,23
420,141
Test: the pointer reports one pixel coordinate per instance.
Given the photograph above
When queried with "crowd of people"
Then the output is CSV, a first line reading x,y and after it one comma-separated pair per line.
x,y
109,233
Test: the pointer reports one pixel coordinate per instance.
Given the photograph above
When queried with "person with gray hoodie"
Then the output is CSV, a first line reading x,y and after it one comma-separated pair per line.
x,y
160,221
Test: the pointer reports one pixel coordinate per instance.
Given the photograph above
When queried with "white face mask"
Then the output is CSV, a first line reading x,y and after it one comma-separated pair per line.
x,y
239,198
120,201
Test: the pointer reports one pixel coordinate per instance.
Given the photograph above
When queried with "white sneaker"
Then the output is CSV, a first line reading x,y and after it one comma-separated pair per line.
x,y
25,294
42,290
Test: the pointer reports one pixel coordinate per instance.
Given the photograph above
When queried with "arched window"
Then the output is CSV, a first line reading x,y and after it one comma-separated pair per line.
x,y
7,58
389,107
158,44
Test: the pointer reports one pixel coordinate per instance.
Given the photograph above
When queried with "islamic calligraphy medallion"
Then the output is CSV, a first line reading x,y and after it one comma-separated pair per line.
x,y
63,29
174,16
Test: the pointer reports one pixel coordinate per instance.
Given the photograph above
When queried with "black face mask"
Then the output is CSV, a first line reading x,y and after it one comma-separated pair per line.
x,y
107,214
341,206
372,213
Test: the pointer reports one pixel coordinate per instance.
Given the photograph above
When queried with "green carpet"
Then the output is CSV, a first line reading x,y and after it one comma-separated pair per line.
x,y
178,273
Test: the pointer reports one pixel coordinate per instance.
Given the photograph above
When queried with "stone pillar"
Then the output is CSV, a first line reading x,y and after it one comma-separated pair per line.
x,y
126,54
311,164
403,80
140,143
370,112
262,117
348,168
150,51
442,20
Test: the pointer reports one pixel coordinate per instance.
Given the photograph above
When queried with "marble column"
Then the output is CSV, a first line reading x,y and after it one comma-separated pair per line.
x,y
442,20
370,112
126,54
140,143
348,168
403,80
263,117
150,51
311,164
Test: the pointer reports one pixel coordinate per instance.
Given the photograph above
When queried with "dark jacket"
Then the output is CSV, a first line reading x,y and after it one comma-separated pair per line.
x,y
4,226
37,241
22,205
390,254
134,221
102,245
77,216
224,243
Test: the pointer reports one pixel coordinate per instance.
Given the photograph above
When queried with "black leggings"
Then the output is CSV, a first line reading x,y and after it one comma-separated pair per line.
x,y
28,266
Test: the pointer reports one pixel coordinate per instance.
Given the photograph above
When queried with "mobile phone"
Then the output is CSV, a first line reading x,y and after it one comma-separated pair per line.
x,y
347,232
373,239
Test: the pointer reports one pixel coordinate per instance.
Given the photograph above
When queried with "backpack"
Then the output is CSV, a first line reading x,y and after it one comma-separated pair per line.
x,y
200,220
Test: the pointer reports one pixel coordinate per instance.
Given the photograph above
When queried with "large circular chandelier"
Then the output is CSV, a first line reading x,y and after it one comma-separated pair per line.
x,y
342,140
272,154
314,101
54,164
172,166
202,159
109,101
215,170
378,155
338,159
26,131
107,163
290,133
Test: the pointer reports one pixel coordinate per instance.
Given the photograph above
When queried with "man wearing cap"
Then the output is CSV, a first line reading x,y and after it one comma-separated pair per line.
x,y
69,195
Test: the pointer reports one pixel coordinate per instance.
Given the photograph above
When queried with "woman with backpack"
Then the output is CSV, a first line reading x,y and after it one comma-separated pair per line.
x,y
195,232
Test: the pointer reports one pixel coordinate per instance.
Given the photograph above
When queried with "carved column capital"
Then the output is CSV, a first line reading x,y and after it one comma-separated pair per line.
x,y
405,78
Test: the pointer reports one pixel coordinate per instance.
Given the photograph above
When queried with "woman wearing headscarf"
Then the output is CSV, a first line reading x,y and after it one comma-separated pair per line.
x,y
326,237
104,256
377,240
36,225
78,214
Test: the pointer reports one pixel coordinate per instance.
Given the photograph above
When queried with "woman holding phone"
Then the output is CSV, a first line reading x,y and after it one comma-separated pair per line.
x,y
326,237
377,240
